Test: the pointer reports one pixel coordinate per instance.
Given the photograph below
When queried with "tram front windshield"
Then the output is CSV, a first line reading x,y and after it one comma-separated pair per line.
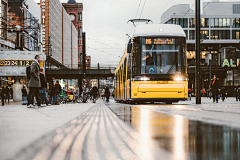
x,y
161,56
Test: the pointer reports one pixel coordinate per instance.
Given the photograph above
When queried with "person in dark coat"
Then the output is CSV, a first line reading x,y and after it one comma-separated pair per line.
x,y
43,93
2,95
57,91
215,86
237,92
94,92
51,92
24,95
223,92
7,93
34,82
107,93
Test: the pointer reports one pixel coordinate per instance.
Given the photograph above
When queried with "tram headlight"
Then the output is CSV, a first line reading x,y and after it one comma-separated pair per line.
x,y
139,78
178,78
144,78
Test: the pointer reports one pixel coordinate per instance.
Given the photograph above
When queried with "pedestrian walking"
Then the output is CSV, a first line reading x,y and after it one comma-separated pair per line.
x,y
237,92
95,93
51,92
113,93
34,82
2,95
7,93
189,93
107,93
43,93
57,91
208,93
24,95
215,86
223,92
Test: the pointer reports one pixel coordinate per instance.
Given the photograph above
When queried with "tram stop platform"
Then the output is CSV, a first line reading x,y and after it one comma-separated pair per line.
x,y
70,131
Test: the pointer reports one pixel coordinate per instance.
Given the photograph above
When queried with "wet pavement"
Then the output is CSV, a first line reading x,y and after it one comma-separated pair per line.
x,y
110,130
183,138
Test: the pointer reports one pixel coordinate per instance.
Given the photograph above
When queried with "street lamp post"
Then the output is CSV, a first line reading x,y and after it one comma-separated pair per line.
x,y
18,43
197,49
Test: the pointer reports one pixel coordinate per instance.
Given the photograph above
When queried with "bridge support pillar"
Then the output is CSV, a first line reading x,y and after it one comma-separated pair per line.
x,y
80,85
98,83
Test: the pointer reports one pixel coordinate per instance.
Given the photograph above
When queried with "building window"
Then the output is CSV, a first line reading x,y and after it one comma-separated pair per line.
x,y
181,22
79,16
235,23
185,23
220,34
204,34
177,21
216,23
236,8
173,21
191,34
79,31
236,34
191,22
212,22
186,32
220,22
204,22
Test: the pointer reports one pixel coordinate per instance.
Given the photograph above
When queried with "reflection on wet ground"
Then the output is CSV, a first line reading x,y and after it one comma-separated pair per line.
x,y
185,139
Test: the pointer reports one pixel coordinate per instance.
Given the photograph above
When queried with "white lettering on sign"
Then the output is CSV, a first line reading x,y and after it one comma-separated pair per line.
x,y
226,63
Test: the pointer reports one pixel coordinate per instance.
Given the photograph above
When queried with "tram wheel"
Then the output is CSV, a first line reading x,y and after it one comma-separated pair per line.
x,y
151,102
168,102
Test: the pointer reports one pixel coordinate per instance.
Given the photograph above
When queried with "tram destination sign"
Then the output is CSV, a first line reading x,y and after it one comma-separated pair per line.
x,y
160,41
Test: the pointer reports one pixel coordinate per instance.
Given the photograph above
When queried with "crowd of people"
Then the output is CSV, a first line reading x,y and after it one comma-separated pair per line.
x,y
37,88
5,94
216,92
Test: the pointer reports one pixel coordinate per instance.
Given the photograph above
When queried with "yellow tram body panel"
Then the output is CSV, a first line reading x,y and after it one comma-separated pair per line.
x,y
159,89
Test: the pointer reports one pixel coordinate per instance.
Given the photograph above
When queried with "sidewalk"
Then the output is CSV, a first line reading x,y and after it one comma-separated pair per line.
x,y
95,134
19,125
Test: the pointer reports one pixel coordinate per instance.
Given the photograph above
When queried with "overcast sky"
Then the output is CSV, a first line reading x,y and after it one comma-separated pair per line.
x,y
105,22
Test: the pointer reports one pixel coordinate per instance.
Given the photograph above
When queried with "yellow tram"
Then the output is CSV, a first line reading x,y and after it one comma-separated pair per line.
x,y
154,66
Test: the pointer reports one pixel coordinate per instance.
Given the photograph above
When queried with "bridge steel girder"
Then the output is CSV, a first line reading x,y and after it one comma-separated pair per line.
x,y
77,73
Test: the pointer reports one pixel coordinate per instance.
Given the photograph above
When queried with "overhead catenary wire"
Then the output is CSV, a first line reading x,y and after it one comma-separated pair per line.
x,y
104,44
200,10
103,51
142,9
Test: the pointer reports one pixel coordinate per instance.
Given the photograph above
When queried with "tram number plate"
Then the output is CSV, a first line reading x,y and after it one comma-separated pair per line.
x,y
162,82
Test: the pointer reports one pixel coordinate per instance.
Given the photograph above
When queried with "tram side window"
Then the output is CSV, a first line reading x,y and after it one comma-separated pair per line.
x,y
129,66
124,70
134,59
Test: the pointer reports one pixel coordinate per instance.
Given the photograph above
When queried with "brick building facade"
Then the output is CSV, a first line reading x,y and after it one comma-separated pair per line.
x,y
75,12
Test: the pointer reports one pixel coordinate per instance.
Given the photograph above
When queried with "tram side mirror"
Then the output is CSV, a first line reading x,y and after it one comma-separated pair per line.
x,y
129,48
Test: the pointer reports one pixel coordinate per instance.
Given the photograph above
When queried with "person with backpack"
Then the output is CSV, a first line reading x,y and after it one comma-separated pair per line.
x,y
57,91
34,82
